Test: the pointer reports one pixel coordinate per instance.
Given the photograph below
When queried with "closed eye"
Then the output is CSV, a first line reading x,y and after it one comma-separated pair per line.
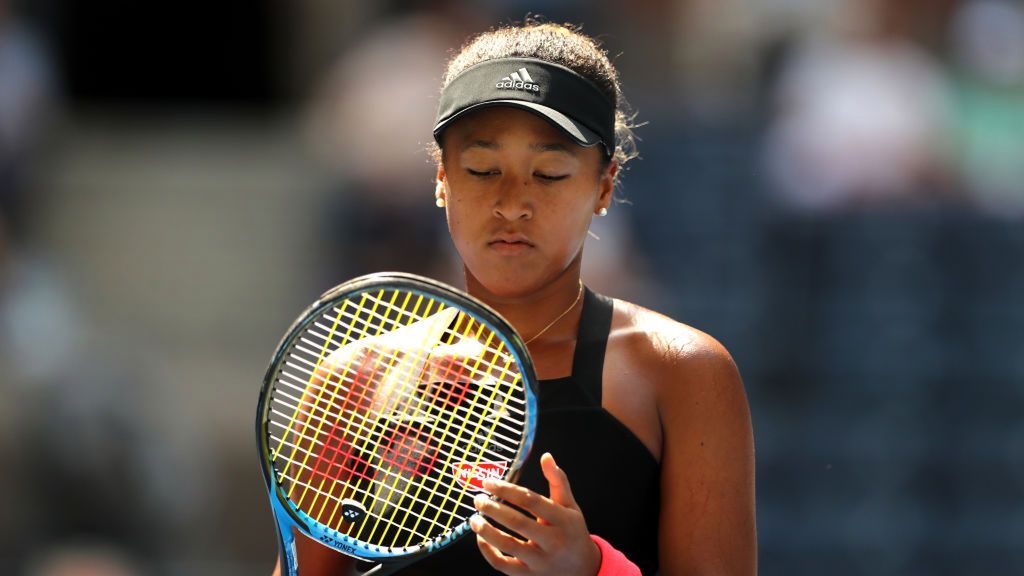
x,y
482,173
550,178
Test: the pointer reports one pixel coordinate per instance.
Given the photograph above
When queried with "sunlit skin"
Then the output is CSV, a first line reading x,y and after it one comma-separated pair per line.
x,y
520,197
510,175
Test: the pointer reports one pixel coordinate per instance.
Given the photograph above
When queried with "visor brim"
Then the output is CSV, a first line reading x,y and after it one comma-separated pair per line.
x,y
576,131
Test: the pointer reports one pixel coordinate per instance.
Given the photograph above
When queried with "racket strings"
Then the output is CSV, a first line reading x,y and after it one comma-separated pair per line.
x,y
433,491
320,358
510,446
406,395
333,396
366,335
385,489
339,501
413,403
435,485
320,474
334,377
491,411
361,373
363,387
492,449
404,488
358,489
462,491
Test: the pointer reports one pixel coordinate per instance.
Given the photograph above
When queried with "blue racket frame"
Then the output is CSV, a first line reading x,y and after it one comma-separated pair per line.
x,y
287,516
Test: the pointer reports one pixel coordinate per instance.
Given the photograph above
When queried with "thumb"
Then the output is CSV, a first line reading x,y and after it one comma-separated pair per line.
x,y
558,482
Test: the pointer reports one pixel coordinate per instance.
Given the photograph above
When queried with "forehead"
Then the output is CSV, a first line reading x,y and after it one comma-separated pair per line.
x,y
500,125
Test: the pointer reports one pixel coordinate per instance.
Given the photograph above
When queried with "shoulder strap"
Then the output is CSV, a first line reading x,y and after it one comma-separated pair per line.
x,y
591,341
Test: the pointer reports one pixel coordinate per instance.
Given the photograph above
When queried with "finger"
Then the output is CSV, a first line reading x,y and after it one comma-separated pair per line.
x,y
558,482
536,504
503,543
514,520
506,564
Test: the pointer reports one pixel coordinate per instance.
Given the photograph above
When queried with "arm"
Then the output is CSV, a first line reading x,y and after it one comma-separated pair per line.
x,y
708,516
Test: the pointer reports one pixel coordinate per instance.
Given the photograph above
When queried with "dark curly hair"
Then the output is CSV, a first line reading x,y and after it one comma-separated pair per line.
x,y
560,44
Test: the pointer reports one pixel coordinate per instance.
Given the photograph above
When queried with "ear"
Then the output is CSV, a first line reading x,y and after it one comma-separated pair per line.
x,y
607,185
440,198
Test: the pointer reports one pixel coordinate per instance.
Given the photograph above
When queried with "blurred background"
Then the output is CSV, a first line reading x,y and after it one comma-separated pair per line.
x,y
832,188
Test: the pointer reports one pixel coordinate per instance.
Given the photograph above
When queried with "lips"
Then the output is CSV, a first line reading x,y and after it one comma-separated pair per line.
x,y
510,243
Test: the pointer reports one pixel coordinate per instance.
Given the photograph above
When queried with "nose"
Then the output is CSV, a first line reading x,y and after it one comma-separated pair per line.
x,y
514,200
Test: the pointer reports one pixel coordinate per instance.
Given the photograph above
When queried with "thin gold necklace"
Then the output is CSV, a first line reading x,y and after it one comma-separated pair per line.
x,y
560,316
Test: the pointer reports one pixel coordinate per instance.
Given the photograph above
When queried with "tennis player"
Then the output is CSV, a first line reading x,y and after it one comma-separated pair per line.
x,y
644,458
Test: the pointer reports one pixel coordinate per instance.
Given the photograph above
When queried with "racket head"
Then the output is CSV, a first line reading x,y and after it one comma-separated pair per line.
x,y
369,442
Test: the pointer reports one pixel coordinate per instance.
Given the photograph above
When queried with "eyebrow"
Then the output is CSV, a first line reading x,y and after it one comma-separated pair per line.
x,y
553,147
487,144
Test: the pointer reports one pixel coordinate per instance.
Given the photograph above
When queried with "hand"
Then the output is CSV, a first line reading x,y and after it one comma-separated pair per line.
x,y
557,541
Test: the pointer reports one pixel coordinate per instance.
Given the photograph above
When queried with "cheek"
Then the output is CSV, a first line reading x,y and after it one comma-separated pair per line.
x,y
567,229
573,213
455,212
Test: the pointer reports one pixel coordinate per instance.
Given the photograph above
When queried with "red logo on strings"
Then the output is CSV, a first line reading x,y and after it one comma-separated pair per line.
x,y
472,475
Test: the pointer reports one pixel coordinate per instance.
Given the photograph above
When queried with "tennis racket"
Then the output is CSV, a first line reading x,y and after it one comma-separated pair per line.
x,y
387,403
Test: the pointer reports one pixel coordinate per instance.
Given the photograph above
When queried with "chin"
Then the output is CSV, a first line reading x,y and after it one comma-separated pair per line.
x,y
508,284
512,288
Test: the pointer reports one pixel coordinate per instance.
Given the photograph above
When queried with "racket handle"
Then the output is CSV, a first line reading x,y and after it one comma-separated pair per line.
x,y
288,562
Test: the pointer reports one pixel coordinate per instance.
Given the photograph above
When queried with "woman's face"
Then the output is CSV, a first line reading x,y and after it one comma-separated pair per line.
x,y
520,196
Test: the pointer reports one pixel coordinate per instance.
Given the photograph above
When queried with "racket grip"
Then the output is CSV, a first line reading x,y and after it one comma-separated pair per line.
x,y
613,562
288,562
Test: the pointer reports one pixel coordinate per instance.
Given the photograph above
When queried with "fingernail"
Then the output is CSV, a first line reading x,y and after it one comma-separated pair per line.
x,y
490,484
474,522
479,500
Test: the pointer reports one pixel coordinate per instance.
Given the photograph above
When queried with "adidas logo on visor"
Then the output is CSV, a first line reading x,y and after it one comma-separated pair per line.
x,y
519,80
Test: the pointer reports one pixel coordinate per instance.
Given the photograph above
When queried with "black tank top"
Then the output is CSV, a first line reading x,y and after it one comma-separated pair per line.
x,y
614,477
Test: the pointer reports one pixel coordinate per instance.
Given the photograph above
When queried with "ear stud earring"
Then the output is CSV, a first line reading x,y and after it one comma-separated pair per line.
x,y
602,212
439,196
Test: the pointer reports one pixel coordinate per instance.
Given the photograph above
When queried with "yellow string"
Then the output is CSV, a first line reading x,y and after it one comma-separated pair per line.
x,y
419,360
476,432
431,408
380,487
344,435
462,425
295,415
319,429
357,481
381,325
372,488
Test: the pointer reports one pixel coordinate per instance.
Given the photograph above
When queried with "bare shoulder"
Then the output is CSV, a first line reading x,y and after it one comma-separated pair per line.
x,y
666,380
671,353
692,389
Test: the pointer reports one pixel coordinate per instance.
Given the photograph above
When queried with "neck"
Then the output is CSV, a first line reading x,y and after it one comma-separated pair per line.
x,y
548,314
